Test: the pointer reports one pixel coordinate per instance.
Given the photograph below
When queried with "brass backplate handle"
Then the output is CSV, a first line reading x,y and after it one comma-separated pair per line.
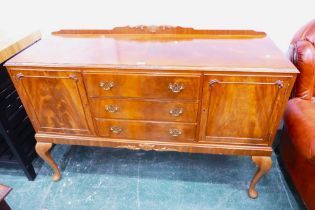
x,y
176,111
111,108
106,85
116,129
176,87
175,132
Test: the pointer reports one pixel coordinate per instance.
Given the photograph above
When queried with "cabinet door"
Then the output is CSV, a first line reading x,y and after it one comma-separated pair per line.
x,y
242,109
56,100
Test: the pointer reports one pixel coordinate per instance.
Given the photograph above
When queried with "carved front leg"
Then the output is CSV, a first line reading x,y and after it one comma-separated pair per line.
x,y
43,150
264,165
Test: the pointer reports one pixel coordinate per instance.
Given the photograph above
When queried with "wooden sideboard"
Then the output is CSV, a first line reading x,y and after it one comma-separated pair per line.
x,y
156,88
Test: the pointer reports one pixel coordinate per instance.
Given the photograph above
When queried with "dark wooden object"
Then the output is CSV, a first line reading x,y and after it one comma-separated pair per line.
x,y
16,132
156,88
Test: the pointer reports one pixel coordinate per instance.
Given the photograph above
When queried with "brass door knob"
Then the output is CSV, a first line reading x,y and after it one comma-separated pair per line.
x,y
20,75
279,83
175,132
116,129
176,112
106,85
176,87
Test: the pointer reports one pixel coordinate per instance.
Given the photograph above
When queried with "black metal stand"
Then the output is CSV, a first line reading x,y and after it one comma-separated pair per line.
x,y
17,142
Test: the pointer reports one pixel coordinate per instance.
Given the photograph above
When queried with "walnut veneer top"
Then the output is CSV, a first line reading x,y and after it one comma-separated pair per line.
x,y
211,50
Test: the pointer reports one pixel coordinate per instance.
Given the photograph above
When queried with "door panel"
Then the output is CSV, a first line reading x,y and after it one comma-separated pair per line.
x,y
241,108
58,100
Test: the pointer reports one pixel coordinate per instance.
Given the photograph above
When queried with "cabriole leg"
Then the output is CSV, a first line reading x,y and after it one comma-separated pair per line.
x,y
43,150
264,165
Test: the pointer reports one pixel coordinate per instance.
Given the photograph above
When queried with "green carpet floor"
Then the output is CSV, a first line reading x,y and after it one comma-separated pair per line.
x,y
103,178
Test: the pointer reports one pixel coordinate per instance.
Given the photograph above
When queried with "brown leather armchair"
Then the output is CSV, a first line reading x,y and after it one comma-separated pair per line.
x,y
297,145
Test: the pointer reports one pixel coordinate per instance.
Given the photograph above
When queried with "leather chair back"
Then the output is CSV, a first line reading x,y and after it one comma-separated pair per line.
x,y
302,55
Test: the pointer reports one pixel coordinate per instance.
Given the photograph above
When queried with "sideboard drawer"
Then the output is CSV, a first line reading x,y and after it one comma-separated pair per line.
x,y
144,110
168,86
122,129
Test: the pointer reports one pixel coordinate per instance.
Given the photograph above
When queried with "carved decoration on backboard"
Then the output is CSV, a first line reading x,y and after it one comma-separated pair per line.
x,y
161,30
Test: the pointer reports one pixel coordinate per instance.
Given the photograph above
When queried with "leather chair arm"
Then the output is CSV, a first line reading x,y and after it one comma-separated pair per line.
x,y
300,121
302,55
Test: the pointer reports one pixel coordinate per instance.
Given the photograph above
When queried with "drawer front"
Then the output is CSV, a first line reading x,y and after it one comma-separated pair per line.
x,y
143,85
121,129
144,110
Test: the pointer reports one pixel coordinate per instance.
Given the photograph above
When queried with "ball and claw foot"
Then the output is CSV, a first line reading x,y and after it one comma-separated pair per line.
x,y
252,193
56,177
264,164
43,150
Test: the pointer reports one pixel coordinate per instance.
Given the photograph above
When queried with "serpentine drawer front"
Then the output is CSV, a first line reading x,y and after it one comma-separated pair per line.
x,y
143,86
177,111
121,129
156,88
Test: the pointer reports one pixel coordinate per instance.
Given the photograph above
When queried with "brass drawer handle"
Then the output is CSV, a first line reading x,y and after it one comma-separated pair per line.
x,y
106,85
116,129
176,87
175,132
176,111
111,108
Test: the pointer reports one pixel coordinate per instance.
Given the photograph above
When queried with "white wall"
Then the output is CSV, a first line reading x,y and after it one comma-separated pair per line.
x,y
279,18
